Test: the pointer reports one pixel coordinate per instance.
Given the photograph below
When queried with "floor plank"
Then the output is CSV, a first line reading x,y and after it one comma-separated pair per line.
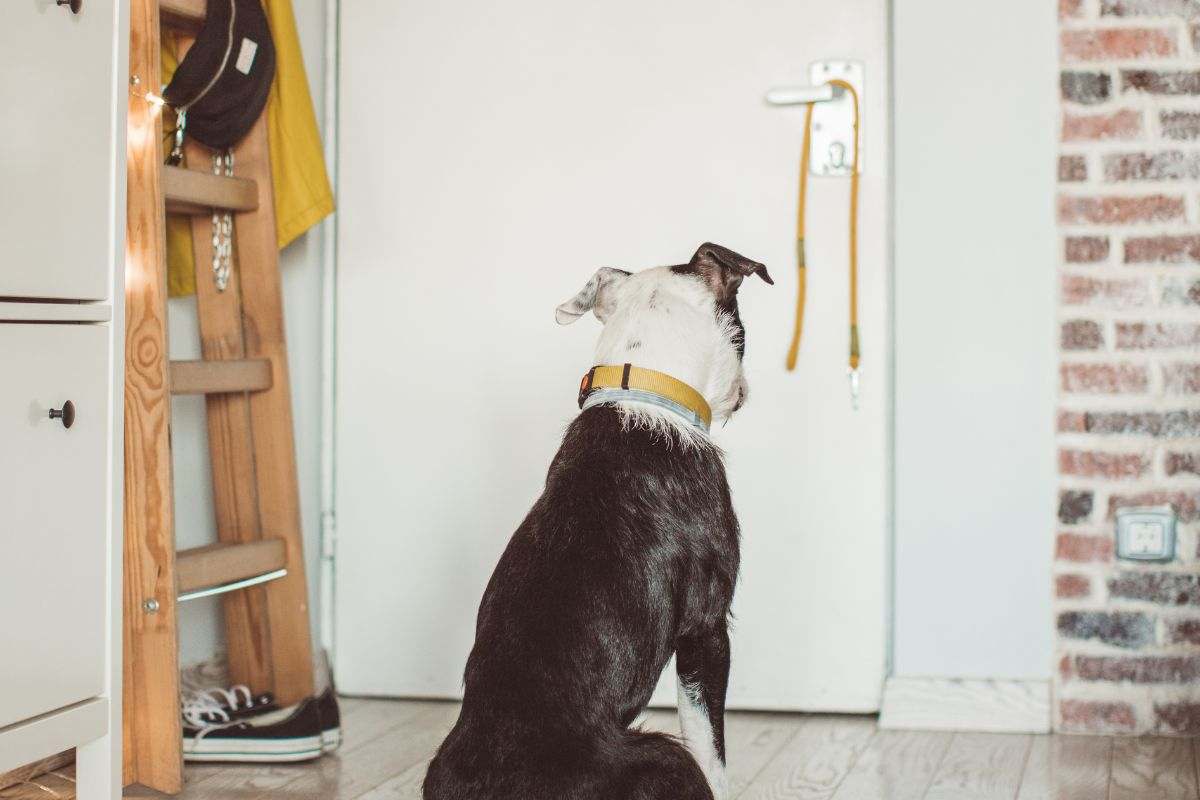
x,y
1067,768
1153,769
814,761
981,766
897,765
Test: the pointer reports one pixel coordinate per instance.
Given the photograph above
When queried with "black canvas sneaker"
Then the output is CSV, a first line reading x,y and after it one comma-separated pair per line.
x,y
288,734
331,720
221,704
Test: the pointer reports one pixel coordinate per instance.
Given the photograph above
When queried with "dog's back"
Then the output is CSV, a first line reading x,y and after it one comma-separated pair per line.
x,y
632,545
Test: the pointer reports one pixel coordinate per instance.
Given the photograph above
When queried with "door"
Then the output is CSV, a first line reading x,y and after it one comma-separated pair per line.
x,y
511,150
52,527
56,154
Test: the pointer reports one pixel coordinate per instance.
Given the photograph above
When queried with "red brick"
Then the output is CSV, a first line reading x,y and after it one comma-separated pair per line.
x,y
1181,378
1078,290
1069,8
1172,165
1091,716
1138,669
1104,378
1180,125
1183,631
1085,249
1162,249
1083,549
1066,668
1154,336
1181,719
1081,334
1074,506
1120,210
1123,124
1182,463
1150,8
1184,503
1181,424
1072,422
1072,169
1099,464
1069,587
1115,43
1168,83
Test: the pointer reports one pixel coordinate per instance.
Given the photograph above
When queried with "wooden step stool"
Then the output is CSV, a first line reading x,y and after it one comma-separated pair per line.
x,y
258,563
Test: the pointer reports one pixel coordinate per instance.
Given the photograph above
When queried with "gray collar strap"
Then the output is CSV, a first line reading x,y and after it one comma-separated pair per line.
x,y
600,396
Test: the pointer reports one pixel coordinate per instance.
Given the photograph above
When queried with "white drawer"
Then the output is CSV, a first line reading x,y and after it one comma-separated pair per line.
x,y
56,148
53,490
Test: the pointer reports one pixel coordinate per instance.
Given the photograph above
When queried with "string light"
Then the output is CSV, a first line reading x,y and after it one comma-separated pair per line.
x,y
155,101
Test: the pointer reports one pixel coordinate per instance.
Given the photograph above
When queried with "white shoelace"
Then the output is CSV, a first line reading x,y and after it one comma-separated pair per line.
x,y
204,709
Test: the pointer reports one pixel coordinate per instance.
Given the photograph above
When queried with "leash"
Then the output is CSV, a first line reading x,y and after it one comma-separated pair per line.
x,y
801,260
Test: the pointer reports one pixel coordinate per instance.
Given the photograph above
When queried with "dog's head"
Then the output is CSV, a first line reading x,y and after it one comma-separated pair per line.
x,y
679,320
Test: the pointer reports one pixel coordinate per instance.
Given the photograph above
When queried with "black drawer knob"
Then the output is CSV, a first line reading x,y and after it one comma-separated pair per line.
x,y
66,414
74,5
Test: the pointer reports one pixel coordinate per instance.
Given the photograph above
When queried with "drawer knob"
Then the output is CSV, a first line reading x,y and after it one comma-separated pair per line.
x,y
66,414
74,5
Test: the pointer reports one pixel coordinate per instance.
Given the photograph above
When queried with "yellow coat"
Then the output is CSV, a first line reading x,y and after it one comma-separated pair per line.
x,y
303,196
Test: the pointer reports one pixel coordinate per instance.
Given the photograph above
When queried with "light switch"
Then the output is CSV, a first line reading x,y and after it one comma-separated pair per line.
x,y
1146,533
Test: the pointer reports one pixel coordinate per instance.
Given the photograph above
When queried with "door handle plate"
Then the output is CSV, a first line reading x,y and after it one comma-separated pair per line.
x,y
831,151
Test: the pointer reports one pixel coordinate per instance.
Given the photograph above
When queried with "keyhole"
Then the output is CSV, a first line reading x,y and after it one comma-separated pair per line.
x,y
837,155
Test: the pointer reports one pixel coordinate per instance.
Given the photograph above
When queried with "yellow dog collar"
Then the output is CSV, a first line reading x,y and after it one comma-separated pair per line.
x,y
627,382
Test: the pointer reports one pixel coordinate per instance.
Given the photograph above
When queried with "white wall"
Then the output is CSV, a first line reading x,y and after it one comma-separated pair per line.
x,y
201,626
975,130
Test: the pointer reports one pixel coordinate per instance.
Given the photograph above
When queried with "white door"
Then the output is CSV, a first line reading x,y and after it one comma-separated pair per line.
x,y
53,527
56,153
492,156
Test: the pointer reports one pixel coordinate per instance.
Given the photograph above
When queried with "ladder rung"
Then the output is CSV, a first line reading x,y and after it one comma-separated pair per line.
x,y
190,191
182,13
218,377
215,564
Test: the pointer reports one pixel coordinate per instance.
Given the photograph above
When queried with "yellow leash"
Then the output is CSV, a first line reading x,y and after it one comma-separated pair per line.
x,y
801,262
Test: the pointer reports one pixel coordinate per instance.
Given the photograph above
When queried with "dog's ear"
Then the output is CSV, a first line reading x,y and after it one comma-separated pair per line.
x,y
596,296
723,269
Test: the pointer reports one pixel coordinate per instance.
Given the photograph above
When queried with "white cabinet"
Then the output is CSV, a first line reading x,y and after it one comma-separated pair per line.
x,y
63,90
57,136
55,483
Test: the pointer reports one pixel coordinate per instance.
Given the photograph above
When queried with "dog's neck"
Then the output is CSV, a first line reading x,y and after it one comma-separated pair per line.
x,y
627,383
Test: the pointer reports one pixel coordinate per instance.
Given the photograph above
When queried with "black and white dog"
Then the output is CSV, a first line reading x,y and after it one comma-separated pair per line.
x,y
629,555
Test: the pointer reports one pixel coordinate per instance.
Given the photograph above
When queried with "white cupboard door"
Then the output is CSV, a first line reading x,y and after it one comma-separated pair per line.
x,y
56,148
53,486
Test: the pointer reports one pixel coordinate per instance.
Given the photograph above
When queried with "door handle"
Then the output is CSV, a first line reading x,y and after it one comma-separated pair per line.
x,y
66,414
74,5
799,95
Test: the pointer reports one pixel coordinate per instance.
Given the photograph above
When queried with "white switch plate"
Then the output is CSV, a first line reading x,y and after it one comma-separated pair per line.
x,y
1146,533
831,151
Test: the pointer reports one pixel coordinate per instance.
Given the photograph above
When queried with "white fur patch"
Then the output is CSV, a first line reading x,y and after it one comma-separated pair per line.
x,y
697,733
661,320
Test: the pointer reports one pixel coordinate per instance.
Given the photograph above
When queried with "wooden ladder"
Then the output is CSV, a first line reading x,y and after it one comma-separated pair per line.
x,y
244,377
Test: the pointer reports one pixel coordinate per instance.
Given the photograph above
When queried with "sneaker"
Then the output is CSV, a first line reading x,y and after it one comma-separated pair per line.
x,y
331,720
284,735
218,704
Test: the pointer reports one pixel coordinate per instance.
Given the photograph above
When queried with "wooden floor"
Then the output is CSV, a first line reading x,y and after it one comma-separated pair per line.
x,y
775,756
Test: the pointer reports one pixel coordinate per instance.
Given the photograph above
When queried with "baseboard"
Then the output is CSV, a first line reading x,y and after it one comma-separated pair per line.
x,y
952,704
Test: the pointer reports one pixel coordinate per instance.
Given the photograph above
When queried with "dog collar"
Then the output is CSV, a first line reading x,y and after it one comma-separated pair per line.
x,y
611,383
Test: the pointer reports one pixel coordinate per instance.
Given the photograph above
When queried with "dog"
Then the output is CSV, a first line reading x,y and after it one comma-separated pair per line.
x,y
630,555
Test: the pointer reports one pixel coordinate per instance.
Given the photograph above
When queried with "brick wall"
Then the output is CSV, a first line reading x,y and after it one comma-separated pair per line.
x,y
1129,405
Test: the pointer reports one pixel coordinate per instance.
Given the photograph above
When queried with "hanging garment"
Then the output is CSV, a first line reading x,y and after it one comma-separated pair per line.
x,y
303,196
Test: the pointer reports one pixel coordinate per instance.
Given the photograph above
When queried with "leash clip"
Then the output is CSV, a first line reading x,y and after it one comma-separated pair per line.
x,y
852,373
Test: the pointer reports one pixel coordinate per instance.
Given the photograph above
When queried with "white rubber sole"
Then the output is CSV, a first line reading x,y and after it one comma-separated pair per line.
x,y
302,748
331,740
